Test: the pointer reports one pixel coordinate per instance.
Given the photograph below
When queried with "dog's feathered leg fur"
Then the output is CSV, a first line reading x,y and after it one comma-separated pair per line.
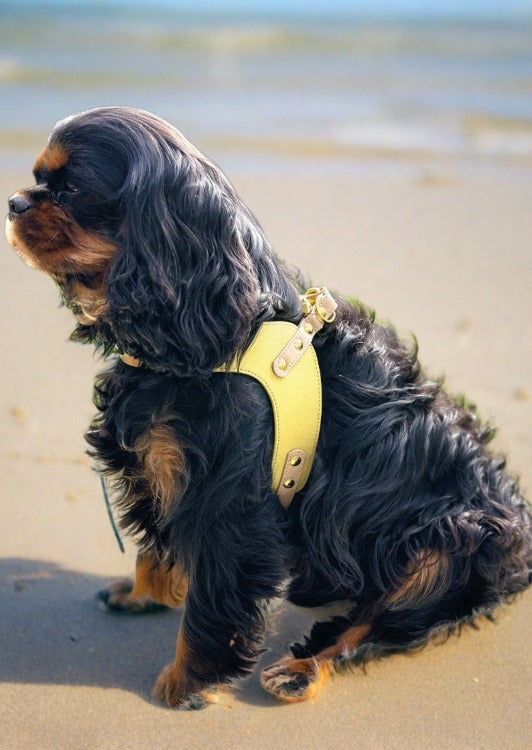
x,y
223,624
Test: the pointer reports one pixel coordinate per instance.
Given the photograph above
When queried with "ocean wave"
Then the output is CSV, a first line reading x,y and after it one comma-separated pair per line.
x,y
501,136
60,78
461,135
106,28
395,149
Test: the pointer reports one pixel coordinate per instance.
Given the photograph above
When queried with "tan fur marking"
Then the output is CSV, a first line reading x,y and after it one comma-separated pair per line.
x,y
91,302
163,463
425,575
175,682
91,252
319,668
52,158
346,644
50,241
164,586
278,682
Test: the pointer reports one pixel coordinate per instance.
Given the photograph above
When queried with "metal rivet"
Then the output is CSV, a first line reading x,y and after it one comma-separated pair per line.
x,y
281,364
309,328
288,483
295,461
298,344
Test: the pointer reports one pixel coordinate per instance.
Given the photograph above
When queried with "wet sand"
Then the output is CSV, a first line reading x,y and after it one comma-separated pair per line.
x,y
446,258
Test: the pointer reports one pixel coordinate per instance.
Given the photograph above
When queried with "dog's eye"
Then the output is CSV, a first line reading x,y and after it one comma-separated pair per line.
x,y
71,188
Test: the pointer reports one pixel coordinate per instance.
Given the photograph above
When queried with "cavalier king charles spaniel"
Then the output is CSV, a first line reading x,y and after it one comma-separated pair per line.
x,y
407,523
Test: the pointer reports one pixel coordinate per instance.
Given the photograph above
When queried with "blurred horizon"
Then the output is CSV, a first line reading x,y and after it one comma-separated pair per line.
x,y
276,88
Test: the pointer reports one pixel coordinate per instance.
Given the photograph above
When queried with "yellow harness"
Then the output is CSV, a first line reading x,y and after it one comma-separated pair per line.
x,y
282,359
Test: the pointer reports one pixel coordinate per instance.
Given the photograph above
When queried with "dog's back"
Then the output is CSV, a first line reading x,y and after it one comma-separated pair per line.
x,y
407,514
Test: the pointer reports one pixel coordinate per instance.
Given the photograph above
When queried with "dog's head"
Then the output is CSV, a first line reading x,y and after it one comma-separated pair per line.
x,y
152,247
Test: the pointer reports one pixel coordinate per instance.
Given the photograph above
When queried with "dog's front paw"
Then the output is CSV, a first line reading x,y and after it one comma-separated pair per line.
x,y
117,598
293,680
169,689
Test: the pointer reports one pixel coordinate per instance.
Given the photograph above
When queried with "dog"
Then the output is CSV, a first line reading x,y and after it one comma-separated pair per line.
x,y
407,523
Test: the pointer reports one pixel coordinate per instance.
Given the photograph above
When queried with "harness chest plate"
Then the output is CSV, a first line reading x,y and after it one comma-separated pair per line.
x,y
295,396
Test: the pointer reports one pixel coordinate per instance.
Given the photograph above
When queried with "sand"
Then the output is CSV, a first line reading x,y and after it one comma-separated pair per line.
x,y
446,258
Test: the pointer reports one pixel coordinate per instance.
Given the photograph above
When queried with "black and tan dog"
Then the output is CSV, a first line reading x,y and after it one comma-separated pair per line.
x,y
406,519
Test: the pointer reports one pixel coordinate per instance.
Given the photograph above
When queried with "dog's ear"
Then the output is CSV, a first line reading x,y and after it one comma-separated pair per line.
x,y
182,289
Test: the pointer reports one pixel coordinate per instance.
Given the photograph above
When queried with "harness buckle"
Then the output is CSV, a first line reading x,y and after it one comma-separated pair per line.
x,y
320,301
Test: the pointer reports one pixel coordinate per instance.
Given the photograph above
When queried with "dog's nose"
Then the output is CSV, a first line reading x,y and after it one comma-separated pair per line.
x,y
18,203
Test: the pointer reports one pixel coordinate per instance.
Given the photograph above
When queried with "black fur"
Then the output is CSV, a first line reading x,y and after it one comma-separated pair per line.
x,y
400,468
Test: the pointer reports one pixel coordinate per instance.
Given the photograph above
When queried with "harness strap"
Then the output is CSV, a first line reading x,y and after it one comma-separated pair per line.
x,y
296,400
296,404
319,308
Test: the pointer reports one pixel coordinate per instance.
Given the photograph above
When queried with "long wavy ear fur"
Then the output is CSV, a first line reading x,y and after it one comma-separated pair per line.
x,y
182,288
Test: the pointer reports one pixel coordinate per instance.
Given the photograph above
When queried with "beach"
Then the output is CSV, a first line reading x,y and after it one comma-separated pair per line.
x,y
442,255
389,159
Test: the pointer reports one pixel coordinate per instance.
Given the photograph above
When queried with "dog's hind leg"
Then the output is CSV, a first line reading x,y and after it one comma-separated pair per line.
x,y
337,641
155,587
298,679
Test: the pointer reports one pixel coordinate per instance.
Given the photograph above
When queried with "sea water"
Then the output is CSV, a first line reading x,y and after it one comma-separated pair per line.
x,y
270,92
